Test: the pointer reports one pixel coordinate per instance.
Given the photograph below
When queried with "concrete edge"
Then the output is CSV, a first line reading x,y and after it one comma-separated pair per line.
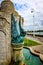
x,y
38,54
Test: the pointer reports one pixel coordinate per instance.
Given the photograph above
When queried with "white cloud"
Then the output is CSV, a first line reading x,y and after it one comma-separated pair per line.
x,y
24,9
36,4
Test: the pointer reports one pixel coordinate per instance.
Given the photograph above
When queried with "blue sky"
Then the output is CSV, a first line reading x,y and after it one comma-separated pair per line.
x,y
24,7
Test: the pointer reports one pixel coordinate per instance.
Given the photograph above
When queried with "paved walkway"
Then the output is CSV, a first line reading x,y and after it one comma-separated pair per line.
x,y
38,48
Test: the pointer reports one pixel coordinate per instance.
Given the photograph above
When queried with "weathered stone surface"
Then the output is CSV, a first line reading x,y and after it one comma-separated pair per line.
x,y
5,39
2,47
7,6
17,54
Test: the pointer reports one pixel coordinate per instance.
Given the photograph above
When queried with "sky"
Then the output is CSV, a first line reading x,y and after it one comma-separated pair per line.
x,y
31,20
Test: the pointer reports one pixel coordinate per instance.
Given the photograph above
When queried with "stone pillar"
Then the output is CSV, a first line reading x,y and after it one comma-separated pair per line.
x,y
5,28
18,57
5,38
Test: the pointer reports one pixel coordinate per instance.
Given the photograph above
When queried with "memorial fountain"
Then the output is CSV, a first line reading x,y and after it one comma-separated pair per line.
x,y
12,32
12,36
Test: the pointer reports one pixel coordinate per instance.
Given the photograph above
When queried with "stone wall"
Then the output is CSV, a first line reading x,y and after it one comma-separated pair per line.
x,y
5,38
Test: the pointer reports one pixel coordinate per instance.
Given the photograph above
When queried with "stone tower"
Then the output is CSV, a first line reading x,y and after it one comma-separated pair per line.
x,y
5,31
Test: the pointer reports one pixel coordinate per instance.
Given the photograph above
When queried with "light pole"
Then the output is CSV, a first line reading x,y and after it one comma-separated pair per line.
x,y
32,11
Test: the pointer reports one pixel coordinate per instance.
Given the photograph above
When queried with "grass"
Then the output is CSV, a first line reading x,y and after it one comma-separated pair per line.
x,y
28,42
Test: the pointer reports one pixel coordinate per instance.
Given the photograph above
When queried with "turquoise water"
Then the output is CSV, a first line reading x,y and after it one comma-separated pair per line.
x,y
17,32
31,59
